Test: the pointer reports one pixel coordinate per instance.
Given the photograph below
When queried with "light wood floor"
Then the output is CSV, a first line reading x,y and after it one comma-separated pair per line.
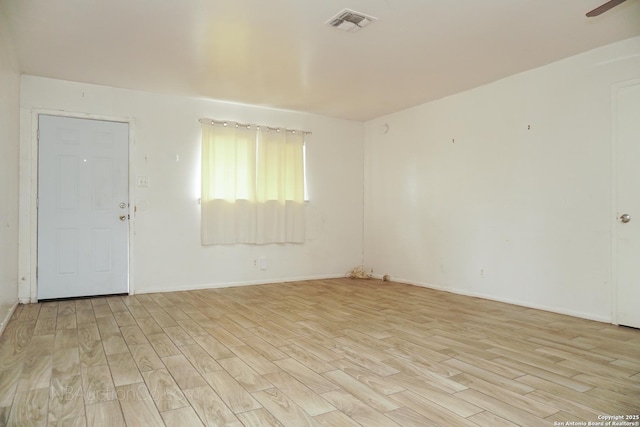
x,y
332,353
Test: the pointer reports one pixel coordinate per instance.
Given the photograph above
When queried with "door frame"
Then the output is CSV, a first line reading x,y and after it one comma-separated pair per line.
x,y
28,257
614,196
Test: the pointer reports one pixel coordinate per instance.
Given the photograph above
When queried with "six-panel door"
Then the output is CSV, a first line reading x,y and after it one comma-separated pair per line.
x,y
83,207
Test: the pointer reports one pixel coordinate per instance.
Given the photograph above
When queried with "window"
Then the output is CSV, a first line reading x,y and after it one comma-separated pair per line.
x,y
253,185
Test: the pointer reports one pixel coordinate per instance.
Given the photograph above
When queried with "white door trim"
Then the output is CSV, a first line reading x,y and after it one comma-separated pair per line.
x,y
28,253
614,197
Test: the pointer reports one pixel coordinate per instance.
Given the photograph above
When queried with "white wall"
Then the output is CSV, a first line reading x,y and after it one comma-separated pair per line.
x,y
167,250
504,212
9,149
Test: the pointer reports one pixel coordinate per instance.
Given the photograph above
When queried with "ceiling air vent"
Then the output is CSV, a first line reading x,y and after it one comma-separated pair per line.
x,y
350,20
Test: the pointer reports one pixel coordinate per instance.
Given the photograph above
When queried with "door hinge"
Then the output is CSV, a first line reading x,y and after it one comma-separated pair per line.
x,y
37,202
36,272
38,135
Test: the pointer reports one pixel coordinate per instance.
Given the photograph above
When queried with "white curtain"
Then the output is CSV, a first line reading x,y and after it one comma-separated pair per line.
x,y
280,187
228,184
252,185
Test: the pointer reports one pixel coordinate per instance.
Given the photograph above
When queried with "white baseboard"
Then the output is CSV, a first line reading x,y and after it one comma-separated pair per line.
x,y
235,284
6,319
552,309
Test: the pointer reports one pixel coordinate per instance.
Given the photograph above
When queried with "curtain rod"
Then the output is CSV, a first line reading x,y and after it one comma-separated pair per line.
x,y
248,126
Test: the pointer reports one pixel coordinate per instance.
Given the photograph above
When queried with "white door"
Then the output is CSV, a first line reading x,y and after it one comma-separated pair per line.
x,y
626,127
83,207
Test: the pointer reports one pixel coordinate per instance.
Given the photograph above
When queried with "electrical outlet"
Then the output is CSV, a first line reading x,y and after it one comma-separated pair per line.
x,y
142,181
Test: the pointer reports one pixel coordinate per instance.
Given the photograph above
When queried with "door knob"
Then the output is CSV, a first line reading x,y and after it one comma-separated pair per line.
x,y
625,218
123,217
123,205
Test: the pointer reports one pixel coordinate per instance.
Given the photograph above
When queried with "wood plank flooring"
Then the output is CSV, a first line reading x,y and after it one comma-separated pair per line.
x,y
321,353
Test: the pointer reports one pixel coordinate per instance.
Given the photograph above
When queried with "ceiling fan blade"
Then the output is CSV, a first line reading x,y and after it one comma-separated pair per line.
x,y
603,8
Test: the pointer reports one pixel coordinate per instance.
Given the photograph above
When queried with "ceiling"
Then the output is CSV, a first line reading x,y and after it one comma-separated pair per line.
x,y
280,53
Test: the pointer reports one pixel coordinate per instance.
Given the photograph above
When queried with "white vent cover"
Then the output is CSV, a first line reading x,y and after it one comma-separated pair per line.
x,y
350,20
